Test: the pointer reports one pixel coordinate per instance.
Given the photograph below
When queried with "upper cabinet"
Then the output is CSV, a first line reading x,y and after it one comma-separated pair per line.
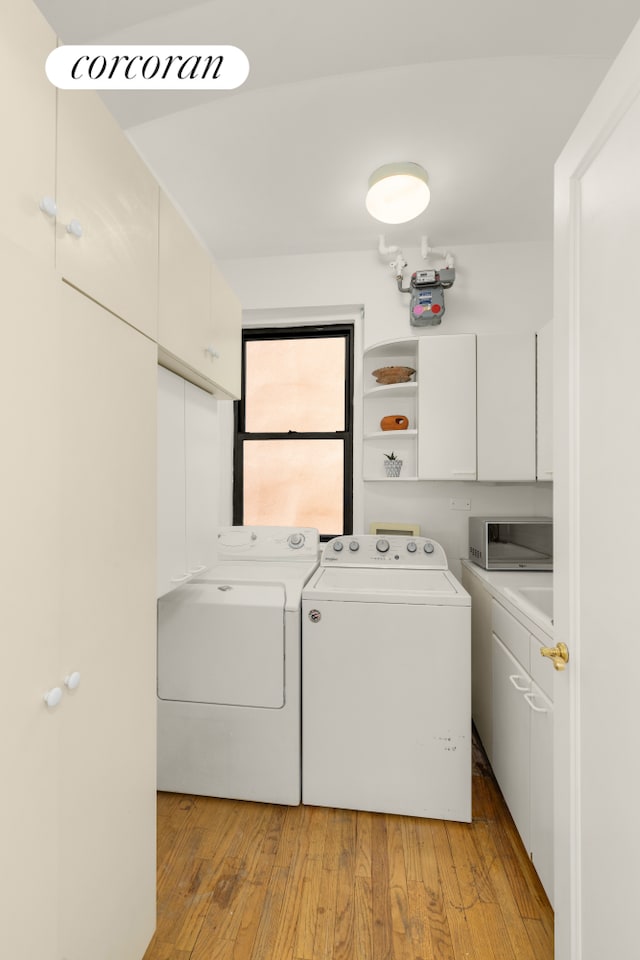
x,y
27,170
436,406
447,407
545,403
77,196
506,407
468,412
199,323
226,316
184,301
107,200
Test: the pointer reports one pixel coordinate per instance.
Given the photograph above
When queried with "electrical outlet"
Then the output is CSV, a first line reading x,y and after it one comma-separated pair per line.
x,y
460,504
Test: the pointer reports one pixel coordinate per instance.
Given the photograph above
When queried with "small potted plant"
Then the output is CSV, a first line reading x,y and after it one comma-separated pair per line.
x,y
392,465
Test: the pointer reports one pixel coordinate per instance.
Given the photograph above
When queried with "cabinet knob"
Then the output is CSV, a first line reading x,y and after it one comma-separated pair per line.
x,y
49,206
72,680
74,227
53,697
558,654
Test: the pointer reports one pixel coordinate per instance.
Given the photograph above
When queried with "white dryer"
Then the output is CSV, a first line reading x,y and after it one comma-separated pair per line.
x,y
229,669
386,654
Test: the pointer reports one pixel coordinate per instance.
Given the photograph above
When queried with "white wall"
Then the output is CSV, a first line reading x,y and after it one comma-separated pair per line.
x,y
499,288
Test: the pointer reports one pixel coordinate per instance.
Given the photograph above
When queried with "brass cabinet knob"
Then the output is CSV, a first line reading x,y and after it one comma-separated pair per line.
x,y
559,654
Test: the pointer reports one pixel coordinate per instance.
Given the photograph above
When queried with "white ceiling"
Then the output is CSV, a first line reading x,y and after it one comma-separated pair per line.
x,y
484,95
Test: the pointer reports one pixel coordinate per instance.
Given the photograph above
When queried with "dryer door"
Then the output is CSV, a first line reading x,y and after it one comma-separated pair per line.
x,y
222,643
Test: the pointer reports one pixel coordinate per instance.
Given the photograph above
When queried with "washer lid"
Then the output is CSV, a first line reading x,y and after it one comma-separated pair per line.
x,y
386,586
291,576
222,643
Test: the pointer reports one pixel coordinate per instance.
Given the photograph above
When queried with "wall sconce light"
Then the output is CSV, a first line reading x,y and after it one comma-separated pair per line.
x,y
397,192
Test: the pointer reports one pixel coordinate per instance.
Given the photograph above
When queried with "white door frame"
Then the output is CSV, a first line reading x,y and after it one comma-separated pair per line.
x,y
574,561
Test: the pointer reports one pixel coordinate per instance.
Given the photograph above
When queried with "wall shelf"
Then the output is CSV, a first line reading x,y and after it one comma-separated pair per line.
x,y
393,399
388,435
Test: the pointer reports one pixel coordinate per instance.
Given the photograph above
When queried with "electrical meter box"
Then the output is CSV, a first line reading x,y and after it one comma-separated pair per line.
x,y
427,296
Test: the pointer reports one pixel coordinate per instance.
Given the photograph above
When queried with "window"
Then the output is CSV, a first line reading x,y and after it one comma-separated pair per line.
x,y
294,449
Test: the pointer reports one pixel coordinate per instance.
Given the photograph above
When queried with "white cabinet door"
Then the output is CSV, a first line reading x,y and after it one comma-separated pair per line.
x,y
104,185
541,740
225,356
201,455
447,407
77,407
511,721
545,403
31,588
185,329
506,369
171,489
188,480
106,881
28,117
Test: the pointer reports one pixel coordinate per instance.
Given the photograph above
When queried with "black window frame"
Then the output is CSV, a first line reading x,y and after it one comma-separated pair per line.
x,y
338,330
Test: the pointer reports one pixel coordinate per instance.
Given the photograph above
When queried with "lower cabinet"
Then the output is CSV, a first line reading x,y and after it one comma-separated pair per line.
x,y
187,478
77,410
522,744
511,734
512,707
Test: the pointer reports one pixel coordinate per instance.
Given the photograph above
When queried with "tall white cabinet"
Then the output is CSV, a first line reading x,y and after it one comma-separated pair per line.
x,y
78,405
30,654
106,765
78,427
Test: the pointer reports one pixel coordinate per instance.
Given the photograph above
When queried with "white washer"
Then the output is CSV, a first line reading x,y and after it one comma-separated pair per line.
x,y
229,669
386,680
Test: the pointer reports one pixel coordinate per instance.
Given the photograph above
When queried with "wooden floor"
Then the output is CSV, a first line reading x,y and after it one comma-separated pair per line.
x,y
251,881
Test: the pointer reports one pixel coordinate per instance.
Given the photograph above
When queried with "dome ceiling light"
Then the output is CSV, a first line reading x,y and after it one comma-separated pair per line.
x,y
398,192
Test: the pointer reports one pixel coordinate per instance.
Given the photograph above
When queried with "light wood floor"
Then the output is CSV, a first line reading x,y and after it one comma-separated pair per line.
x,y
251,881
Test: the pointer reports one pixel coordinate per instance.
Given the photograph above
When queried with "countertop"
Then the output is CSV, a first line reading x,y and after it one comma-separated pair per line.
x,y
499,582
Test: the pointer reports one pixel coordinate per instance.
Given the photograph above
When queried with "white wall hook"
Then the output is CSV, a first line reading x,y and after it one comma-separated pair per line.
x,y
49,206
53,697
74,227
72,680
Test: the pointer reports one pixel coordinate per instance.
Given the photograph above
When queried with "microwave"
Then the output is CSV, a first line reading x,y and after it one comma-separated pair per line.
x,y
511,543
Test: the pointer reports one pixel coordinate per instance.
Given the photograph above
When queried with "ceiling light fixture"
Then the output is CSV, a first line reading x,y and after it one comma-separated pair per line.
x,y
397,192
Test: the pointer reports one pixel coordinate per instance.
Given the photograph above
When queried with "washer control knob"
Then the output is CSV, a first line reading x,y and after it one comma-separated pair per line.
x,y
429,547
338,545
411,546
354,545
382,546
296,540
